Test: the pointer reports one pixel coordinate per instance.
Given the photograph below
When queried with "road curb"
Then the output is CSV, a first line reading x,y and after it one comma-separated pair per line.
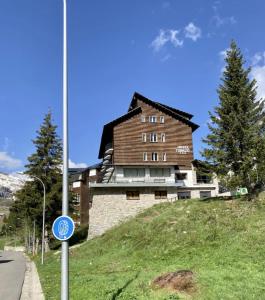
x,y
31,287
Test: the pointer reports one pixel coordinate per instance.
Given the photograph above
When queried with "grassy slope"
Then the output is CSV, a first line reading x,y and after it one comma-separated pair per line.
x,y
222,242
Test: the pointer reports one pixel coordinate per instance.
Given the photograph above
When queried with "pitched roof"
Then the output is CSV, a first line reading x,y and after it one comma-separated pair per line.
x,y
72,171
95,166
177,111
154,103
107,133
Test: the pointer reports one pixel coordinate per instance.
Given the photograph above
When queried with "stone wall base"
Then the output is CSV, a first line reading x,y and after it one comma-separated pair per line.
x,y
110,207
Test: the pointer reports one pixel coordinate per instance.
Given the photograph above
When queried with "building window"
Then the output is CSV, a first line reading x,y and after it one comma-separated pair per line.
x,y
154,156
184,195
142,118
153,137
164,156
162,119
203,178
163,137
160,194
152,119
76,199
132,195
134,172
181,176
92,172
205,194
160,172
144,137
145,158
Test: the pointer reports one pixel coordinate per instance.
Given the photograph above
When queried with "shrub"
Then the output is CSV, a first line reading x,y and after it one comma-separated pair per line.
x,y
79,236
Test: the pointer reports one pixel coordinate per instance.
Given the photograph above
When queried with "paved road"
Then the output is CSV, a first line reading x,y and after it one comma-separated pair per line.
x,y
12,272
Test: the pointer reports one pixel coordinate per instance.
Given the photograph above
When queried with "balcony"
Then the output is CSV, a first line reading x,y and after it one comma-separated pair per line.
x,y
138,182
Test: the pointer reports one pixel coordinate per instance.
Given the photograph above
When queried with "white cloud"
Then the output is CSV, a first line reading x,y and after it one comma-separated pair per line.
x,y
164,37
160,40
258,73
259,57
192,32
165,58
174,40
223,53
219,20
76,165
8,162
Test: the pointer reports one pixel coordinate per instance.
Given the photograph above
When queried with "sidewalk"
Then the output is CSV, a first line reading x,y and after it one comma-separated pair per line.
x,y
12,273
31,288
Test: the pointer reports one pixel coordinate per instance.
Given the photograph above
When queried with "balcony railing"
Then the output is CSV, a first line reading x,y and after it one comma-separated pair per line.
x,y
139,180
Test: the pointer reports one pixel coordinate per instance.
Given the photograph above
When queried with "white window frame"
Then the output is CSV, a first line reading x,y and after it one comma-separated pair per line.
x,y
162,119
163,137
144,137
143,118
145,156
164,156
155,155
152,119
153,137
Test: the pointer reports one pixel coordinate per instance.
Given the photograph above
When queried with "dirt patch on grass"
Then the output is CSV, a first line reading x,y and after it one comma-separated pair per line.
x,y
179,281
151,217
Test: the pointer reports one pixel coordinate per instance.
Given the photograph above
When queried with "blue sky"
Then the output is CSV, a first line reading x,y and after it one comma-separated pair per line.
x,y
169,51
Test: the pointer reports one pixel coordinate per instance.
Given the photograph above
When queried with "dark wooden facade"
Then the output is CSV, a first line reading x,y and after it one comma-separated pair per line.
x,y
129,146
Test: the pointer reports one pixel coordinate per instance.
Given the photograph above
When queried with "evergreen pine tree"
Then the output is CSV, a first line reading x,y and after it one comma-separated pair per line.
x,y
46,164
236,138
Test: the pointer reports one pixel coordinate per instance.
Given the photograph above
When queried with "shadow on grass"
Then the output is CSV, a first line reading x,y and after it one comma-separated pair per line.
x,y
120,290
220,198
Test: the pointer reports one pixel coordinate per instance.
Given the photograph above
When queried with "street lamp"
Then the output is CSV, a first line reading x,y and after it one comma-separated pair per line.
x,y
43,217
43,214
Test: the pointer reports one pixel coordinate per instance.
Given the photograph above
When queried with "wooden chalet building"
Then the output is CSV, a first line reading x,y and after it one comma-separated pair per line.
x,y
147,154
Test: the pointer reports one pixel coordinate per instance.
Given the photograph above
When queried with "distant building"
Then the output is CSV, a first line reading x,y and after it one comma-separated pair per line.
x,y
79,179
147,154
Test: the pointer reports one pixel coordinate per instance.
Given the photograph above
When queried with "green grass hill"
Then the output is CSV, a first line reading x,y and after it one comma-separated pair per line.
x,y
222,242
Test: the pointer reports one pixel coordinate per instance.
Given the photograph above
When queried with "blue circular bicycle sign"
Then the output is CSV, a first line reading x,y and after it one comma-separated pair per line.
x,y
63,228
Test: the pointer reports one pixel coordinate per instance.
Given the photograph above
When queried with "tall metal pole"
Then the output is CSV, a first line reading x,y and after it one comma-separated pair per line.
x,y
65,246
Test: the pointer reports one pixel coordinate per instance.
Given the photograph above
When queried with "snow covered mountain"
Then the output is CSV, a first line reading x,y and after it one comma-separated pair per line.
x,y
10,183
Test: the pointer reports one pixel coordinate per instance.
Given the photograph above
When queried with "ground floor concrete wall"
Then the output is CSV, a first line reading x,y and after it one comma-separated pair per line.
x,y
110,206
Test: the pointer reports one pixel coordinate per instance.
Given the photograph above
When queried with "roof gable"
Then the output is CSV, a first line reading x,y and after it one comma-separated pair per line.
x,y
175,113
107,134
138,96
